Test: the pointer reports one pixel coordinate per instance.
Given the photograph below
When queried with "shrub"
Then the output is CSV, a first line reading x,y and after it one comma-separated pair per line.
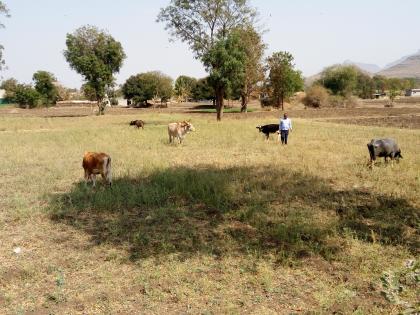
x,y
26,96
316,97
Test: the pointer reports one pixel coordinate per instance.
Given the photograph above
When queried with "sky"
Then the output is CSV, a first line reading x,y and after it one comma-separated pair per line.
x,y
317,32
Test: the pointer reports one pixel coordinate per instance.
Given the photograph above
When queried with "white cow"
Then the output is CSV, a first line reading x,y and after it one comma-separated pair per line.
x,y
179,130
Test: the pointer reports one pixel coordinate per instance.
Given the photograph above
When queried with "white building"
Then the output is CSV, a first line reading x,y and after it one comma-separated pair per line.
x,y
413,93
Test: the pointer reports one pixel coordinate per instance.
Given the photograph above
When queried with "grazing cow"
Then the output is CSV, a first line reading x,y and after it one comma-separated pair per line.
x,y
97,163
383,148
267,129
138,123
179,130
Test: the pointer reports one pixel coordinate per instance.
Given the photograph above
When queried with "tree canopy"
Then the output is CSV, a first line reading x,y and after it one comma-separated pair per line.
x,y
200,23
283,79
96,55
147,86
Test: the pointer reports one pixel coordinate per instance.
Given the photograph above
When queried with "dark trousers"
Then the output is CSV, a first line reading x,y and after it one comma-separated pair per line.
x,y
284,134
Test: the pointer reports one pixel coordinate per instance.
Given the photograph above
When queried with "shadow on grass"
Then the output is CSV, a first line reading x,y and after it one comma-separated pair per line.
x,y
235,210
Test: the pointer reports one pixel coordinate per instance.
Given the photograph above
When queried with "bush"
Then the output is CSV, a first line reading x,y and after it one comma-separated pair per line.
x,y
26,96
114,101
343,101
316,96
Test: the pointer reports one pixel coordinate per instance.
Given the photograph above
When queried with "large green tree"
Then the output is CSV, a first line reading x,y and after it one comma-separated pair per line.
x,y
45,85
147,86
184,86
3,11
97,56
203,24
226,64
283,79
254,47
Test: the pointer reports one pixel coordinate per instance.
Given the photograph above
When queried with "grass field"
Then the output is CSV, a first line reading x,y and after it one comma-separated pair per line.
x,y
224,223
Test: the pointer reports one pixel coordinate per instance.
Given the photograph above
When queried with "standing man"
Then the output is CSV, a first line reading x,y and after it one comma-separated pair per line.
x,y
285,126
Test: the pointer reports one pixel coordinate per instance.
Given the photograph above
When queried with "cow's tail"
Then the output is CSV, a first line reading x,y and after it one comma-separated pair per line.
x,y
108,170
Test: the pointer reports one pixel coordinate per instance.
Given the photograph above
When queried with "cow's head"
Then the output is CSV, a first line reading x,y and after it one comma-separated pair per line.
x,y
133,122
259,128
188,126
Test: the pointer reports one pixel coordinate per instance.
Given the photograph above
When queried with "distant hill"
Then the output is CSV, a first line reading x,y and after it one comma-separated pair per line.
x,y
367,67
407,67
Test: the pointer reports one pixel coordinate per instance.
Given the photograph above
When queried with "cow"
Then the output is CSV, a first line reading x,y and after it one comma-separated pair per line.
x,y
267,129
97,163
386,148
138,123
179,130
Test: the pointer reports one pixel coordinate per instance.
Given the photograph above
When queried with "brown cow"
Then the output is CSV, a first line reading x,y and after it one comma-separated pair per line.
x,y
97,163
179,130
138,123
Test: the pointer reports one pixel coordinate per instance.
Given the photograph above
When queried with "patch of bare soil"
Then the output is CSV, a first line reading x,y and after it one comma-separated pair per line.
x,y
409,121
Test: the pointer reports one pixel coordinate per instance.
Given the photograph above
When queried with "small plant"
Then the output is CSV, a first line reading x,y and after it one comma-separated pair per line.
x,y
396,283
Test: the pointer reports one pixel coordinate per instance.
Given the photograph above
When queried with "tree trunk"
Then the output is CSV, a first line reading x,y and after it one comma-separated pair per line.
x,y
101,107
244,103
282,101
219,103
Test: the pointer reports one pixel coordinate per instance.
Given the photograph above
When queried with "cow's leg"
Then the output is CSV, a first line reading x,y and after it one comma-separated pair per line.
x,y
87,177
386,159
267,136
180,140
93,177
170,139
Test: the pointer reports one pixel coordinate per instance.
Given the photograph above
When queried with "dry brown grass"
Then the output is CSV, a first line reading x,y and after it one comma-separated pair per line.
x,y
225,223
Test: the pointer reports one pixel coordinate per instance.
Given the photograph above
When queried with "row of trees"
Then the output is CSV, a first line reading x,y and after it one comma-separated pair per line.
x,y
44,90
350,80
222,34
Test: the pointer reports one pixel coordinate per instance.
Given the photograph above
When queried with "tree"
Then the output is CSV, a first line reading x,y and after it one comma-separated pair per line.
x,y
340,80
147,86
203,24
10,86
96,55
184,86
3,11
365,87
45,86
252,44
394,88
226,64
283,80
381,83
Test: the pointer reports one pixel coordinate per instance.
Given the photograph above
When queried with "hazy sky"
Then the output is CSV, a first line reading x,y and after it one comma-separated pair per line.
x,y
317,32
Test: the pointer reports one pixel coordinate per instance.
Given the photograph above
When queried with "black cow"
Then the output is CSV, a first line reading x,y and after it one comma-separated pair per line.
x,y
137,123
386,148
267,129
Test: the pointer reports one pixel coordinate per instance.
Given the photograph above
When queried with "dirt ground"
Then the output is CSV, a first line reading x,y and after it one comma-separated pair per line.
x,y
366,115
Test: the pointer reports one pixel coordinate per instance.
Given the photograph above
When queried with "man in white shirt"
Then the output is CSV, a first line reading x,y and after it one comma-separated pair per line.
x,y
285,126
